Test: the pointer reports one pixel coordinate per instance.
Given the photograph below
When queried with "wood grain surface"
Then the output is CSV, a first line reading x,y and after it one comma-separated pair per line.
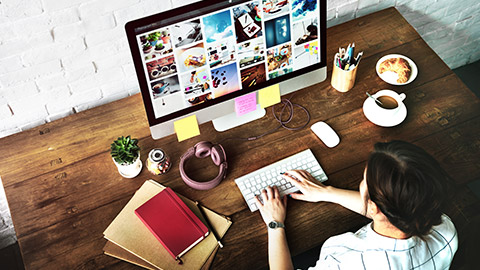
x,y
64,190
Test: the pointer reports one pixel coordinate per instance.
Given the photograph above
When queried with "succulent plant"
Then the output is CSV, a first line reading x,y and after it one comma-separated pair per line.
x,y
153,36
124,150
147,46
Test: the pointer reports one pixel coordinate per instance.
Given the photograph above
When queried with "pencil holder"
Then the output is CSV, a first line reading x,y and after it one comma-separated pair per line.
x,y
343,80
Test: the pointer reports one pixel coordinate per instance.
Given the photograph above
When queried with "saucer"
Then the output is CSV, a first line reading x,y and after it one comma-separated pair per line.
x,y
378,120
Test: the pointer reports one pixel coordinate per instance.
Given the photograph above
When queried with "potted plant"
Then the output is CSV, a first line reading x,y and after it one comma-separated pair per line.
x,y
147,47
126,154
153,38
159,46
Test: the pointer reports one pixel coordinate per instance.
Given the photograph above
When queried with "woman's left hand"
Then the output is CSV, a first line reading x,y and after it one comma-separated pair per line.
x,y
274,207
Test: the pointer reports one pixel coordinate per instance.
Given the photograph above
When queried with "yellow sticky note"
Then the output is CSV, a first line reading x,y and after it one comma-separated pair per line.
x,y
269,96
186,128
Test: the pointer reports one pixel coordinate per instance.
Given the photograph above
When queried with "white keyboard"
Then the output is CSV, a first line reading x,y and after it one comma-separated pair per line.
x,y
253,183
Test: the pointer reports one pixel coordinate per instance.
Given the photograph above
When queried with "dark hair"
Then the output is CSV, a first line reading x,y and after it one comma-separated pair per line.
x,y
408,185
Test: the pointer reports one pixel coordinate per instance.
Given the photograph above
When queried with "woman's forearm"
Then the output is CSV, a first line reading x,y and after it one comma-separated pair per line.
x,y
349,199
278,251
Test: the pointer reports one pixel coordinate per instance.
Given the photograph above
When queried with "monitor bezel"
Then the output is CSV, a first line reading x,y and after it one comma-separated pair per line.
x,y
191,11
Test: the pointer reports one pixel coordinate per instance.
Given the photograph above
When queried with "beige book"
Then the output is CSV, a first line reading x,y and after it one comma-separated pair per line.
x,y
128,232
118,252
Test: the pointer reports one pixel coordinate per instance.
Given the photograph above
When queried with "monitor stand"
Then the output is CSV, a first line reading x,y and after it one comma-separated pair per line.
x,y
232,120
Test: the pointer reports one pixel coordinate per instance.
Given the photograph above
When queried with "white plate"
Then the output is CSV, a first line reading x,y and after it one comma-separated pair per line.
x,y
378,119
195,51
386,76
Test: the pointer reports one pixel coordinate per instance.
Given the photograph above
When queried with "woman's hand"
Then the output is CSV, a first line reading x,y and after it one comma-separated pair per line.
x,y
274,207
312,190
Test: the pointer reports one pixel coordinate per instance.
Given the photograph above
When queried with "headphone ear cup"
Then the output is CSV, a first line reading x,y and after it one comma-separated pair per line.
x,y
218,154
203,149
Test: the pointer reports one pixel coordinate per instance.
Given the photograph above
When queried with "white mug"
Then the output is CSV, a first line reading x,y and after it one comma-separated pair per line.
x,y
392,98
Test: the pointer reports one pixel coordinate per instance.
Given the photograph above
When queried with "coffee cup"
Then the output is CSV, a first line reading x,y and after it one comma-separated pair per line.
x,y
154,73
389,102
390,112
164,69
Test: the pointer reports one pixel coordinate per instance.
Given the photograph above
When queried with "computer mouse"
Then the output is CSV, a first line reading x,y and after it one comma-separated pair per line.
x,y
326,134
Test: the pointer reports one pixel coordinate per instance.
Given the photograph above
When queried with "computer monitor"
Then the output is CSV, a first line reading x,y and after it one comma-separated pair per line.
x,y
197,59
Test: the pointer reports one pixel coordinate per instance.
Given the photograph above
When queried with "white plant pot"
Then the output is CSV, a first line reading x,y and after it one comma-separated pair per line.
x,y
131,170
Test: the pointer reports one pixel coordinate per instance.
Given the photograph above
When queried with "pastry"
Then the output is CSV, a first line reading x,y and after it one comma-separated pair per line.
x,y
196,61
398,65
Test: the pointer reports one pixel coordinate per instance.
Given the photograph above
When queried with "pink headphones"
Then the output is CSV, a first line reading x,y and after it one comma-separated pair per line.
x,y
202,150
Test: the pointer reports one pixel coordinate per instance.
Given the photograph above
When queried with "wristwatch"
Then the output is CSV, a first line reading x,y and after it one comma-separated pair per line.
x,y
275,225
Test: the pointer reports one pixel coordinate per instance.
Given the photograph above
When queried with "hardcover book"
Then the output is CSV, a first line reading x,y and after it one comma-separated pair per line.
x,y
172,222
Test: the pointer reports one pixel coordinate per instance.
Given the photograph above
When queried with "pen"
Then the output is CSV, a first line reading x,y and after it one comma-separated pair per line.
x,y
341,52
359,56
341,62
347,52
209,225
350,55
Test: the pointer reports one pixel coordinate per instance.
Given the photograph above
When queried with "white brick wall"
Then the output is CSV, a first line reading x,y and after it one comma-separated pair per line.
x,y
60,57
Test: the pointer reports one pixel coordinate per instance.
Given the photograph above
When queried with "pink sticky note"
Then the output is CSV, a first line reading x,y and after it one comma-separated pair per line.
x,y
246,103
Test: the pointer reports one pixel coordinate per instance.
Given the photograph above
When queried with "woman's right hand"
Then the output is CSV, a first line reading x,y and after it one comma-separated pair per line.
x,y
311,190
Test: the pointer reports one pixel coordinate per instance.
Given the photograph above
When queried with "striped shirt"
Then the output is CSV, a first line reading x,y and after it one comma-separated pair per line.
x,y
367,249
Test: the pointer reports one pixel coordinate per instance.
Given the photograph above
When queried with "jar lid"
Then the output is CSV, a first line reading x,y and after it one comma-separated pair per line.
x,y
156,155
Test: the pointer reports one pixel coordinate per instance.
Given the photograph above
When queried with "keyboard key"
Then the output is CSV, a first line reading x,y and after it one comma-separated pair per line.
x,y
249,196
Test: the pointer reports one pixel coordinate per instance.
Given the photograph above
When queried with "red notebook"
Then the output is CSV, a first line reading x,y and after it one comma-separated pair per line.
x,y
172,222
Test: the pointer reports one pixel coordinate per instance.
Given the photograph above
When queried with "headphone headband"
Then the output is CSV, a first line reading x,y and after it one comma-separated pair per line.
x,y
204,149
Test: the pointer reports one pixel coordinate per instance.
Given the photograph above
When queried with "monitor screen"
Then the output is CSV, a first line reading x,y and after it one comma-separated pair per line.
x,y
196,56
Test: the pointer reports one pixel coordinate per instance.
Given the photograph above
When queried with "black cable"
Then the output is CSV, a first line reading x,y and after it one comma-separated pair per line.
x,y
282,123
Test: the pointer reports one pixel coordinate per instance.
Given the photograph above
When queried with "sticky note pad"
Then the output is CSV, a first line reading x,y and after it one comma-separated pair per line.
x,y
186,128
246,104
269,96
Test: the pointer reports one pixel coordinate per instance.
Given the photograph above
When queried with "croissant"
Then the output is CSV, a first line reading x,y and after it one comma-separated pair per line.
x,y
398,65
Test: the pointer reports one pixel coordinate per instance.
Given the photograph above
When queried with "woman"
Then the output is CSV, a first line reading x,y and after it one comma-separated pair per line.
x,y
403,191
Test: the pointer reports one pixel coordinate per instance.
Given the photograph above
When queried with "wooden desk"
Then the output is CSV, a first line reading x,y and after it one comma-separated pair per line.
x,y
63,188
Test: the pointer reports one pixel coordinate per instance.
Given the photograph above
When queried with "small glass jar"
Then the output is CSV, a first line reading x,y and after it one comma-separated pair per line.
x,y
158,162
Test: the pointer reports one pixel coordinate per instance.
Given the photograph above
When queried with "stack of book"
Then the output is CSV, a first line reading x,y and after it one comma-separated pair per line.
x,y
141,238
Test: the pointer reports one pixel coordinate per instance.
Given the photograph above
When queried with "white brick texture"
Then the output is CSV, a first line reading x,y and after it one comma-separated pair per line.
x,y
5,111
60,57
21,8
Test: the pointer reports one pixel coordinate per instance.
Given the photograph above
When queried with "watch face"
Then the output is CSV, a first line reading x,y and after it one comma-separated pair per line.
x,y
275,224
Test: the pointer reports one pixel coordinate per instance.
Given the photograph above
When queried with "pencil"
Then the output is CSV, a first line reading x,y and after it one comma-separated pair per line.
x,y
209,225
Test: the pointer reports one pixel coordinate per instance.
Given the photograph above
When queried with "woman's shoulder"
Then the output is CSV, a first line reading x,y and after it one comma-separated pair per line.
x,y
445,232
447,228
